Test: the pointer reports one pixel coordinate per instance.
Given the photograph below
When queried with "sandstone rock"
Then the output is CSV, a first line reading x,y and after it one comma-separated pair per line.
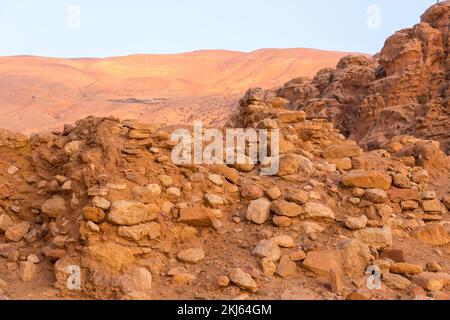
x,y
269,267
15,233
214,200
299,197
147,194
109,254
398,195
193,255
395,255
72,147
268,249
197,216
297,256
355,256
284,241
183,279
406,268
315,210
91,226
223,281
130,213
347,150
434,266
409,205
312,227
150,230
396,281
93,214
286,267
13,170
342,163
27,271
101,203
285,208
433,234
216,179
367,179
432,281
321,262
273,193
356,223
337,281
243,280
281,221
431,205
291,164
252,192
165,180
259,211
230,174
5,222
137,280
376,196
378,238
54,207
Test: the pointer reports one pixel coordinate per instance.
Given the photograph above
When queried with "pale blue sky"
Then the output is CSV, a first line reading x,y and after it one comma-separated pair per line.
x,y
121,27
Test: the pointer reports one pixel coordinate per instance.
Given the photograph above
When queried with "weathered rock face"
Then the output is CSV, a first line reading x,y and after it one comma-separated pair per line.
x,y
402,90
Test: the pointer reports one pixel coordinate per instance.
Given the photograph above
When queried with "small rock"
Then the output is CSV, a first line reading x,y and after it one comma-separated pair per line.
x,y
431,205
299,197
216,179
298,256
432,281
17,232
336,281
376,196
367,179
284,241
27,270
101,203
273,193
13,170
259,211
193,255
285,208
269,267
33,258
91,226
433,234
356,223
94,214
406,268
396,281
252,192
243,280
214,200
54,207
434,267
286,267
315,210
223,281
173,193
378,238
130,213
268,249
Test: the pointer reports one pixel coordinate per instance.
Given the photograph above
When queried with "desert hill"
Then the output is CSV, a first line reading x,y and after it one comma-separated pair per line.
x,y
38,93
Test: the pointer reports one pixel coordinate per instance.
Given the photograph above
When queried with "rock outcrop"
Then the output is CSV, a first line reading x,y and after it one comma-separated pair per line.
x,y
403,90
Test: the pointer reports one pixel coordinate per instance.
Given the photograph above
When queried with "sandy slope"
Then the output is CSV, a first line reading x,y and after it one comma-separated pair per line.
x,y
38,93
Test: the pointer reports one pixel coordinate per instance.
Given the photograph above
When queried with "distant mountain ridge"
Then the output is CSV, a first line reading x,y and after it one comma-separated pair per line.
x,y
39,93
